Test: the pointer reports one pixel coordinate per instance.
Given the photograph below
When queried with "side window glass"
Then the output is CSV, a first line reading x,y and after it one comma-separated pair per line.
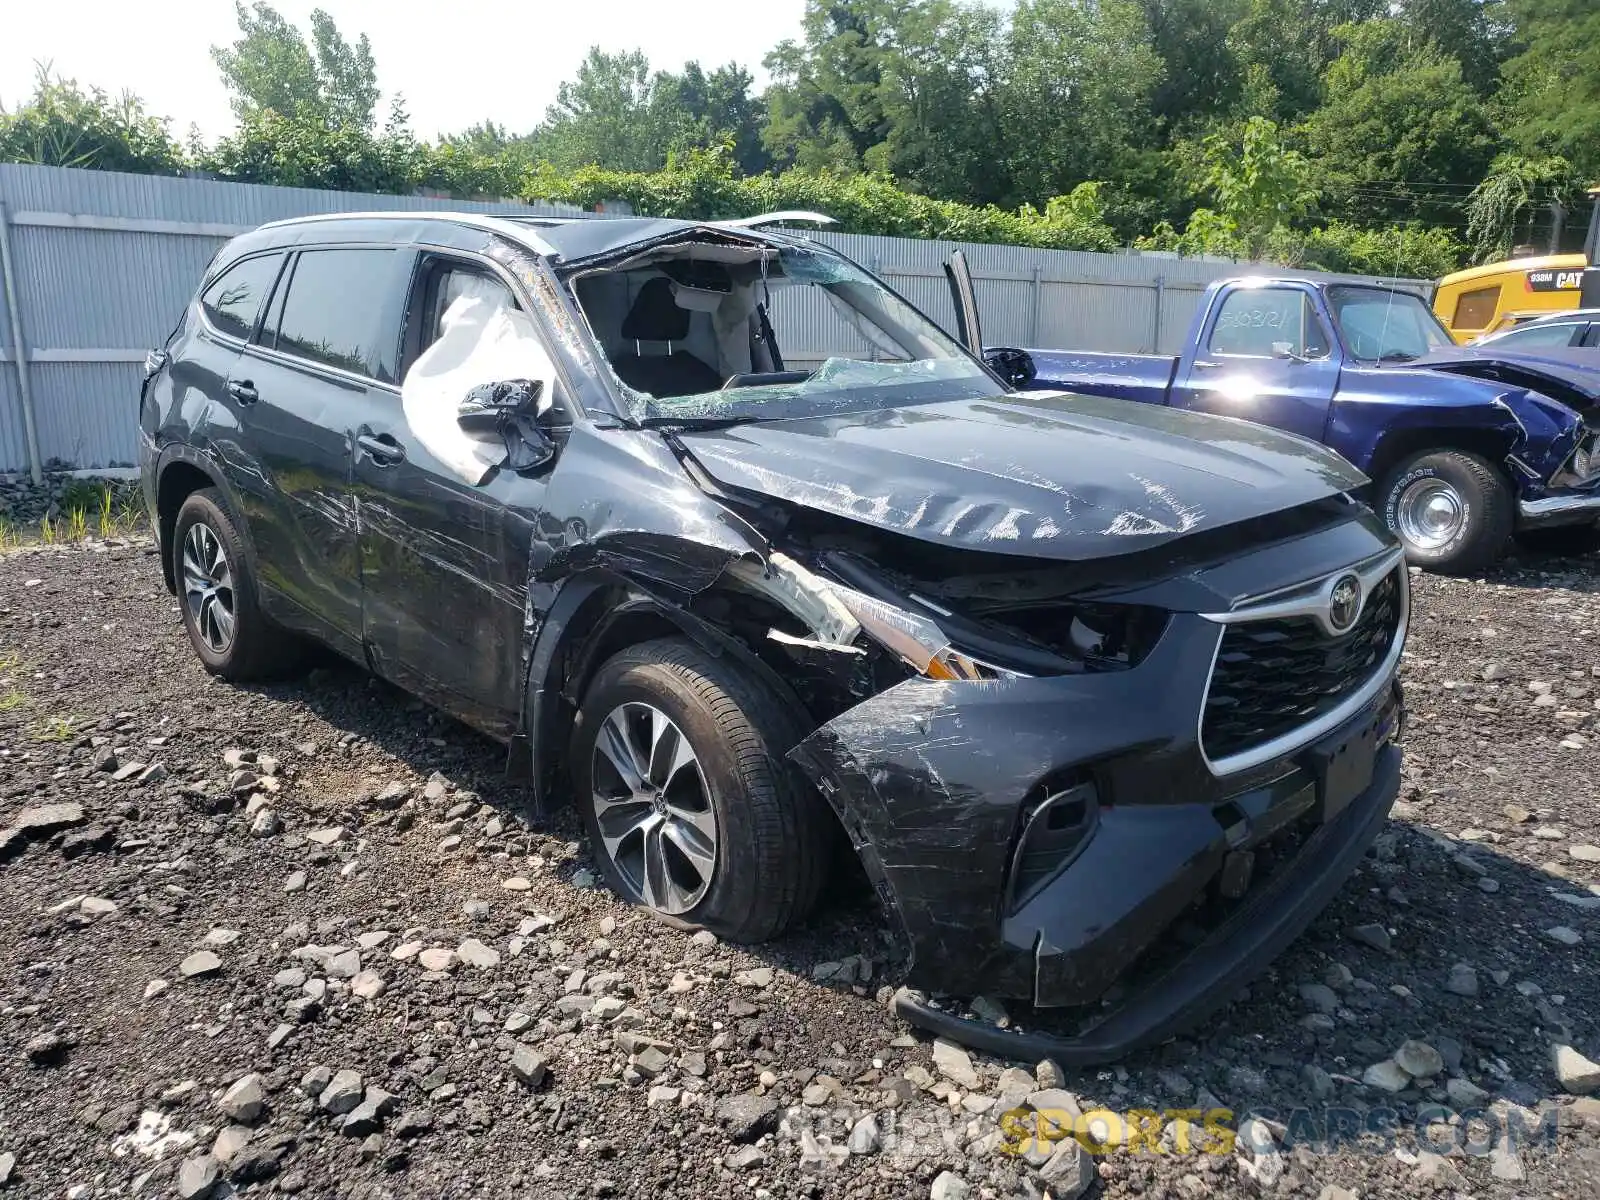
x,y
336,308
1264,322
1541,335
234,297
454,283
1475,309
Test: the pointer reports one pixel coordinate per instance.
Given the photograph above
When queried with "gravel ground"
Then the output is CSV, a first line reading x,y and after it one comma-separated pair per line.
x,y
301,939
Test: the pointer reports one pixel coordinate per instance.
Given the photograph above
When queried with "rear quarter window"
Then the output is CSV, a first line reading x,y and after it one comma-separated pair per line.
x,y
232,301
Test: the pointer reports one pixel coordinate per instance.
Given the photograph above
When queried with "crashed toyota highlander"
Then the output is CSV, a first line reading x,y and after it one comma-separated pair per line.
x,y
733,546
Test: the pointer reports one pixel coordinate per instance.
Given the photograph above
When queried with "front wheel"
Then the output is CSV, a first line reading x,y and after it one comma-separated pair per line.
x,y
692,811
1452,510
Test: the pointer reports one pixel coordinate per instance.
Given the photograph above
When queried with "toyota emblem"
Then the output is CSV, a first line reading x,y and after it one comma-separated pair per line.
x,y
1344,603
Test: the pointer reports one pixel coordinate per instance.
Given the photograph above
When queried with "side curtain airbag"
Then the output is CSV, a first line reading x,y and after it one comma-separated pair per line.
x,y
482,339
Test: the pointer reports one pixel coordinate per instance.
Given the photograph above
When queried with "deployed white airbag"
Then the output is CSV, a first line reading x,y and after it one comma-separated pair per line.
x,y
482,339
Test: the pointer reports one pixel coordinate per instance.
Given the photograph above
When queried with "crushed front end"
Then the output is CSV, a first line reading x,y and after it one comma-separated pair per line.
x,y
1158,826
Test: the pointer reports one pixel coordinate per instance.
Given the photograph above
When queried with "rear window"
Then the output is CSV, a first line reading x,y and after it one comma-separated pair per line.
x,y
234,298
1475,310
337,308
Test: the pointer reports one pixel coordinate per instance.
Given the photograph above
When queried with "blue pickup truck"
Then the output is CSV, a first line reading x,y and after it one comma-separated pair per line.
x,y
1467,446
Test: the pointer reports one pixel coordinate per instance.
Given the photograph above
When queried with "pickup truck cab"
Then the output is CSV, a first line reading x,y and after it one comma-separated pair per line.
x,y
1466,446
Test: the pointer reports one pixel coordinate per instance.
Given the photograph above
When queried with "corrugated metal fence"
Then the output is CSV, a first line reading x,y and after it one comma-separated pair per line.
x,y
103,263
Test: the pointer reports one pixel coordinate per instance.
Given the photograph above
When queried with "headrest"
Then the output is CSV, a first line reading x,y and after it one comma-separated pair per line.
x,y
655,315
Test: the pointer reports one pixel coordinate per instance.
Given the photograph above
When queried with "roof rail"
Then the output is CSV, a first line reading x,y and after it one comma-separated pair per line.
x,y
774,218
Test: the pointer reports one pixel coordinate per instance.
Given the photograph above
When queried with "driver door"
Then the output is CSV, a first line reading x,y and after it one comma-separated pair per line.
x,y
444,559
1265,355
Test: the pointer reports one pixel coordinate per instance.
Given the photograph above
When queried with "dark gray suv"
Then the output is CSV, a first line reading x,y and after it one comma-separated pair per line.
x,y
741,553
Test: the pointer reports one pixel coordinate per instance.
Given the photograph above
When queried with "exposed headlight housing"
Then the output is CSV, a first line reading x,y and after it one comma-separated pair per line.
x,y
917,639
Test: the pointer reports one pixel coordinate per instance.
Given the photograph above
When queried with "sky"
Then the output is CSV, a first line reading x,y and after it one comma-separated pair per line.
x,y
462,62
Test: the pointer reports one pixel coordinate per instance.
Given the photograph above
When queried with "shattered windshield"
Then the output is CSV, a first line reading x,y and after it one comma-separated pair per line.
x,y
1385,326
713,332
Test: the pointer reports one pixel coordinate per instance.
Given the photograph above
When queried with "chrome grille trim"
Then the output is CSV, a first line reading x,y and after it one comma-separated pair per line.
x,y
1309,600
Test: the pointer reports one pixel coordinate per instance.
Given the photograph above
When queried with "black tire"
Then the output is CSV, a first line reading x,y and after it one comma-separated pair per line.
x,y
772,828
256,648
1488,510
1561,539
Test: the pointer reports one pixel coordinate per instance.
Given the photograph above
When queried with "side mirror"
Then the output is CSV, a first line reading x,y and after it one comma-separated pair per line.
x,y
509,410
1014,366
486,409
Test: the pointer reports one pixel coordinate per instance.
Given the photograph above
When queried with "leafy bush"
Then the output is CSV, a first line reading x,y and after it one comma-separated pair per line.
x,y
1407,251
1411,251
700,184
61,125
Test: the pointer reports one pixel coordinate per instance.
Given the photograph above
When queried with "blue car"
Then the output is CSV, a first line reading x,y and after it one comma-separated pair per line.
x,y
1467,447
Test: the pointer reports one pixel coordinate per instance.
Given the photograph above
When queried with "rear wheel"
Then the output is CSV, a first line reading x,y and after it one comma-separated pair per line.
x,y
691,809
217,594
1450,508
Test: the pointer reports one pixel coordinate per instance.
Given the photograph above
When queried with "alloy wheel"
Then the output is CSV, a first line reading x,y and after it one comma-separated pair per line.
x,y
653,808
208,587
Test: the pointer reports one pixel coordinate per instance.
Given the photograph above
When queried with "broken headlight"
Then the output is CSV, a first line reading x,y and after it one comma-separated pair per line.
x,y
917,639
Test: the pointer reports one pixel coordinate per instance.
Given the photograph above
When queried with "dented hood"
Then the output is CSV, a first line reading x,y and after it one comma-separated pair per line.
x,y
1568,374
1044,474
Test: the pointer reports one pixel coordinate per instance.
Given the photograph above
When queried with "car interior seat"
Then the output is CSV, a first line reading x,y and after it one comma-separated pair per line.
x,y
656,318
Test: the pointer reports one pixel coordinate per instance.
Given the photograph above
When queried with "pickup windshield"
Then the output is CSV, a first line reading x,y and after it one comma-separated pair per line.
x,y
706,334
1379,325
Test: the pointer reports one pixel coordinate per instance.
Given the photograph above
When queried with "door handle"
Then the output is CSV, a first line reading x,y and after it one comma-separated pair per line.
x,y
243,391
381,448
1208,364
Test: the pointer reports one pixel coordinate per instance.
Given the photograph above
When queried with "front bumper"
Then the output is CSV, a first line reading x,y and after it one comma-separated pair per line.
x,y
933,781
1204,979
1573,508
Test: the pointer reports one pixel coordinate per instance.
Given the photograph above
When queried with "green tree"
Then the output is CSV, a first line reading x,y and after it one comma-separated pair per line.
x,y
1201,75
1291,43
1516,191
907,88
271,68
61,125
1259,184
1473,32
1400,130
1075,102
705,110
606,116
1552,92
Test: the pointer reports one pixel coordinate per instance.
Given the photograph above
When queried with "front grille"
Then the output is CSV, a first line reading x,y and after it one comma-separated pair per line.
x,y
1273,676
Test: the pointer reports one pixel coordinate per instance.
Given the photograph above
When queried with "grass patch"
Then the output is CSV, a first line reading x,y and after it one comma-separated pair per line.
x,y
90,508
57,729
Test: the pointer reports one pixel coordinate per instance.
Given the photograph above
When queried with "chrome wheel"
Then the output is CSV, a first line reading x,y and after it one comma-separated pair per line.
x,y
653,808
208,587
1430,513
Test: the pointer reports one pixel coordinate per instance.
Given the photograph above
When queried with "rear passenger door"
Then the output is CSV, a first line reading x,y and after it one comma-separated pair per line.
x,y
328,341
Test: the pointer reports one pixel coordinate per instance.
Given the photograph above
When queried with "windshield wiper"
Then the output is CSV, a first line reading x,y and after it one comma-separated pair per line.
x,y
1398,356
662,421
